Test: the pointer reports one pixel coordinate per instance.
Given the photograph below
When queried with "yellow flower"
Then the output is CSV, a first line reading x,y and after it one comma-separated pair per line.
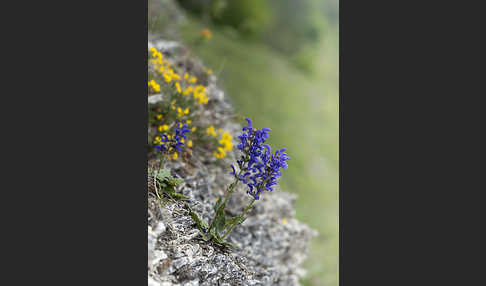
x,y
155,86
164,127
175,76
228,146
154,52
209,71
159,116
226,141
200,89
188,122
157,140
284,220
220,154
188,90
181,113
226,136
193,129
178,87
210,131
157,58
203,99
200,94
206,33
167,77
192,79
189,143
186,76
175,156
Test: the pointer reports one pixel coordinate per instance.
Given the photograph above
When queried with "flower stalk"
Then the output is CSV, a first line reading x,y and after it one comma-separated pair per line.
x,y
245,212
259,169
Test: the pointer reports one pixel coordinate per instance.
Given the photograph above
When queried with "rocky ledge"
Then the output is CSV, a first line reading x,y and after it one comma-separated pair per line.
x,y
272,242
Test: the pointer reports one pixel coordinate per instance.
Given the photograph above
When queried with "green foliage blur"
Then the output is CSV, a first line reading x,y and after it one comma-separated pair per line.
x,y
291,27
249,17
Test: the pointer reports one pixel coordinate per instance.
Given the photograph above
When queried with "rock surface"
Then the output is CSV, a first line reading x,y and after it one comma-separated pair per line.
x,y
272,243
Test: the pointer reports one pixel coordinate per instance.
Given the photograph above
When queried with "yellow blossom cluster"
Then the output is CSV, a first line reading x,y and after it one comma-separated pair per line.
x,y
162,66
183,85
190,79
155,86
185,94
181,113
220,153
211,132
200,94
226,141
163,128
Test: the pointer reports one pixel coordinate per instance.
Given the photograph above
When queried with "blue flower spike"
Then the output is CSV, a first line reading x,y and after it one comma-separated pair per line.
x,y
258,168
176,141
262,168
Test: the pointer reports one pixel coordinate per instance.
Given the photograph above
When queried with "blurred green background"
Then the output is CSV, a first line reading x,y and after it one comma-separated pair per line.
x,y
278,62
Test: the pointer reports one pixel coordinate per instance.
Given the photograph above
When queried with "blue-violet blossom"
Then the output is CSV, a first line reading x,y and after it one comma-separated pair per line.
x,y
259,168
175,142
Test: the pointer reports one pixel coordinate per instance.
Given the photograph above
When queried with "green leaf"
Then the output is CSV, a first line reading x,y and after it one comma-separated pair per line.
x,y
220,221
213,234
175,181
204,224
163,174
217,204
201,224
176,195
167,183
236,220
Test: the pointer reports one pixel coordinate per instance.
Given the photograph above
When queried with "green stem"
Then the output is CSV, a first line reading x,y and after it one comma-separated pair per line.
x,y
247,209
163,157
232,188
228,194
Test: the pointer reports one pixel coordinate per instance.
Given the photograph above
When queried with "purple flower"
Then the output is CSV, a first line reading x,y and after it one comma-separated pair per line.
x,y
261,167
175,142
